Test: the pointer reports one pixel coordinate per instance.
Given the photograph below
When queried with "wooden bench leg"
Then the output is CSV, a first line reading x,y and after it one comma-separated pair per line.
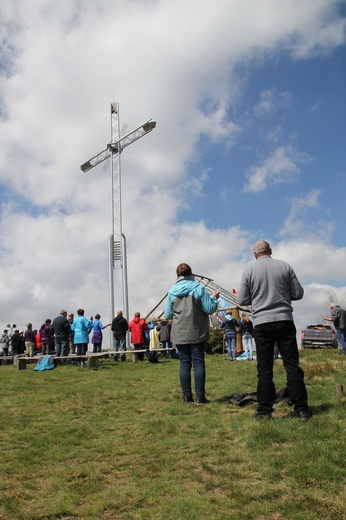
x,y
92,362
21,364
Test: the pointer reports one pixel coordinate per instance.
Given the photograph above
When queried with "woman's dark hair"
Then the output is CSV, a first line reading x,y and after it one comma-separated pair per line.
x,y
184,270
80,312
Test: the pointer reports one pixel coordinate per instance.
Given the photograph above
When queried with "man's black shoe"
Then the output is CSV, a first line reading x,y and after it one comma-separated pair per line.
x,y
201,399
187,399
259,416
304,415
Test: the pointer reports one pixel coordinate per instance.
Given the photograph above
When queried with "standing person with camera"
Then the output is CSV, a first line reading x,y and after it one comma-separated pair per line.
x,y
338,317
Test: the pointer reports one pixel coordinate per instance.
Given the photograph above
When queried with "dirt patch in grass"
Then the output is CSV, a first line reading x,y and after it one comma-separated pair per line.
x,y
325,368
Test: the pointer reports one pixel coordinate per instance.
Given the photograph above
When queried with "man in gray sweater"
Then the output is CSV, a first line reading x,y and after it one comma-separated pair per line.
x,y
269,286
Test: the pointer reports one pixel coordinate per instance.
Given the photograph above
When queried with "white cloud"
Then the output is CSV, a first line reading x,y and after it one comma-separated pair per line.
x,y
295,226
298,207
271,101
315,260
316,107
280,167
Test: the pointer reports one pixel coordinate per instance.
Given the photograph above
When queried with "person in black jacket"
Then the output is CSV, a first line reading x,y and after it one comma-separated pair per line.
x,y
61,329
16,343
120,327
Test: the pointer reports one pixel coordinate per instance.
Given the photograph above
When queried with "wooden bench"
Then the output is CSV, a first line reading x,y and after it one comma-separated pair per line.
x,y
92,358
6,360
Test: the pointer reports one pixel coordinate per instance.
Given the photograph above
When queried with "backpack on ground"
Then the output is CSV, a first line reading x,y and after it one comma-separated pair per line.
x,y
153,356
45,363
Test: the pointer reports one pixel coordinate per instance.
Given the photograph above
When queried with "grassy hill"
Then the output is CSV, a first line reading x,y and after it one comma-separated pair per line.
x,y
117,443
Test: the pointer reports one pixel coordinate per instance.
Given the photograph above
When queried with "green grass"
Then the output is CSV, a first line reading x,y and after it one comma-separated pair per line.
x,y
117,443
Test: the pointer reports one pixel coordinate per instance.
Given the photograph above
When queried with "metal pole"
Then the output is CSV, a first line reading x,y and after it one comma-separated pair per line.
x,y
116,195
111,282
124,278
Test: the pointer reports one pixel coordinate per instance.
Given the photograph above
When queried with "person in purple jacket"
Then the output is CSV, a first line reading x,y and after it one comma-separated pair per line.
x,y
46,337
97,328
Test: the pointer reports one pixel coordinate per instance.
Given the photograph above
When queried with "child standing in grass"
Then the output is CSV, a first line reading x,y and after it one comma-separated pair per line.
x,y
246,331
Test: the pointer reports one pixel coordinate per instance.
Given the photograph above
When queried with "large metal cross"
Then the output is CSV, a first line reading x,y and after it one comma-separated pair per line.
x,y
117,241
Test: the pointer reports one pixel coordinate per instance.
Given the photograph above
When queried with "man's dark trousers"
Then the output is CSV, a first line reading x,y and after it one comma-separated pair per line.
x,y
284,333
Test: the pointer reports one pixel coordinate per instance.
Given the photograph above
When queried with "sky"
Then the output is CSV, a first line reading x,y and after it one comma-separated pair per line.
x,y
250,102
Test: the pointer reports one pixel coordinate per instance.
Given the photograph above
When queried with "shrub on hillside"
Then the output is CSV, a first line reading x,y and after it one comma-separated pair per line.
x,y
215,341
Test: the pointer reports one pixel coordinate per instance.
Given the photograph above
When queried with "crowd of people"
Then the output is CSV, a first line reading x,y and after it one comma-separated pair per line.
x,y
268,286
146,337
67,334
64,335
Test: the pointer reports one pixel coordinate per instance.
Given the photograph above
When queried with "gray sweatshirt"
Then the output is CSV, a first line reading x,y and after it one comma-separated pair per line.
x,y
189,304
269,286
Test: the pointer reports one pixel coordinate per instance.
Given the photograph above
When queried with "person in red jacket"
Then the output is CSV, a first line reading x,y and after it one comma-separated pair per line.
x,y
137,327
38,342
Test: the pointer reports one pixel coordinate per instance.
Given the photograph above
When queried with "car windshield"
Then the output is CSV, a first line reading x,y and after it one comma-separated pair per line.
x,y
319,327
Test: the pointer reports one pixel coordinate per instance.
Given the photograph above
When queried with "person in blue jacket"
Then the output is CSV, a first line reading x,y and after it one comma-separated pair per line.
x,y
97,328
81,327
189,304
229,324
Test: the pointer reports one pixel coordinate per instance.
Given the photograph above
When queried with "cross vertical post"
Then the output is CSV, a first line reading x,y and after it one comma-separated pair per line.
x,y
117,240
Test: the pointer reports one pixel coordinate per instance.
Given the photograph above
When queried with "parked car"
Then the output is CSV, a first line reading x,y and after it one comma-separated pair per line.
x,y
318,336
